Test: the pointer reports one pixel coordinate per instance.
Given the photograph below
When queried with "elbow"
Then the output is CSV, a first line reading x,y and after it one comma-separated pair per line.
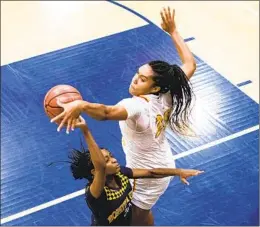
x,y
153,173
104,113
192,65
157,173
150,173
108,113
190,68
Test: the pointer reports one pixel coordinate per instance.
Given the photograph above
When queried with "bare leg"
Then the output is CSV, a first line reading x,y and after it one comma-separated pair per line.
x,y
150,220
142,217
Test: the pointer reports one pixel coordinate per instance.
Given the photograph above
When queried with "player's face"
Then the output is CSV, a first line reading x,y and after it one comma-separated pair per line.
x,y
142,82
112,166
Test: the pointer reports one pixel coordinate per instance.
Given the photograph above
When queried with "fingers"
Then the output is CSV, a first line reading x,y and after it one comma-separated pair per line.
x,y
69,123
163,18
81,118
166,14
197,172
189,173
64,120
200,172
193,173
65,117
169,12
184,181
58,117
74,122
173,14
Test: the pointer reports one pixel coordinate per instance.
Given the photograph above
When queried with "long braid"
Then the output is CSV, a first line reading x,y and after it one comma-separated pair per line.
x,y
172,78
182,93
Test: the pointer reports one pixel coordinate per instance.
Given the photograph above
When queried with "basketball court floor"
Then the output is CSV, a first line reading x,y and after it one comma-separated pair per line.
x,y
97,47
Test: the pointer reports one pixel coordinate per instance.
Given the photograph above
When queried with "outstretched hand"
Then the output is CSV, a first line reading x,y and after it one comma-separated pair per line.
x,y
168,22
69,115
185,173
81,123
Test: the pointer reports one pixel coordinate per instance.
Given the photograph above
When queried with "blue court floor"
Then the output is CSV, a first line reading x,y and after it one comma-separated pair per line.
x,y
226,194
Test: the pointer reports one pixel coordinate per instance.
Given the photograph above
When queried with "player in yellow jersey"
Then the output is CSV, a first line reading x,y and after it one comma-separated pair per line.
x,y
109,192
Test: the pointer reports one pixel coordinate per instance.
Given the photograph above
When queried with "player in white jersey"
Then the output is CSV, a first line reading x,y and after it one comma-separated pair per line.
x,y
161,96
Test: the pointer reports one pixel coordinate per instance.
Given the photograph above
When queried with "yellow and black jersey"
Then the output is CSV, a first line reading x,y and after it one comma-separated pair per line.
x,y
114,206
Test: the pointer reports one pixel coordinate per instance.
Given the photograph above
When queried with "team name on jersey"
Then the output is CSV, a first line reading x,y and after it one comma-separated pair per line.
x,y
123,207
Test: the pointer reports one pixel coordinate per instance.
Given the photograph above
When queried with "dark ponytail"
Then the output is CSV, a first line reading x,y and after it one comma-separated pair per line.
x,y
172,78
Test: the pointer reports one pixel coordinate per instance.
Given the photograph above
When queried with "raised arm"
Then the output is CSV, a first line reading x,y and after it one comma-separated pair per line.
x,y
97,159
168,25
166,172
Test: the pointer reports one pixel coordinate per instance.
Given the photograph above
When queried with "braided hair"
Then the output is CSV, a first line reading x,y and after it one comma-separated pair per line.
x,y
172,78
81,164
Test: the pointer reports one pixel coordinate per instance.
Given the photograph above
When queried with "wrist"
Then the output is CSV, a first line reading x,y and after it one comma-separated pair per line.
x,y
83,105
179,172
84,129
174,33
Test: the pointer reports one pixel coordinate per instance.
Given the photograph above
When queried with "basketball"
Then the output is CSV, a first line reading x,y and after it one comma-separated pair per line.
x,y
65,93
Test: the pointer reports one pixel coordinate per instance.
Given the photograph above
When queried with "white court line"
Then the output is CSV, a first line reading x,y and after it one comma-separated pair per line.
x,y
42,206
211,144
81,192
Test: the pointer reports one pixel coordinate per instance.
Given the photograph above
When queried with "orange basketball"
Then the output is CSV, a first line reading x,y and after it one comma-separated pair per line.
x,y
65,93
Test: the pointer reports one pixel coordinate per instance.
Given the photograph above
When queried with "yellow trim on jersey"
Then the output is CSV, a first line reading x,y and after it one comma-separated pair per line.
x,y
115,194
134,185
161,121
123,142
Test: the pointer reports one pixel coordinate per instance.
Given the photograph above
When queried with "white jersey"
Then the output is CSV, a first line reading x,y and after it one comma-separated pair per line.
x,y
145,144
144,141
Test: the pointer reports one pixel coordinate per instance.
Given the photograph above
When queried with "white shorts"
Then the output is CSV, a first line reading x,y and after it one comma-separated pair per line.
x,y
146,192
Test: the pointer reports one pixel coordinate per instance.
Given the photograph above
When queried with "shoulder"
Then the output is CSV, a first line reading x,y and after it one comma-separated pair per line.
x,y
162,99
133,107
89,197
126,171
135,100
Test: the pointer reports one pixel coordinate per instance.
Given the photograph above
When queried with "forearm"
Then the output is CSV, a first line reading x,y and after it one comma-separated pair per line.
x,y
102,112
96,155
164,172
95,110
182,48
